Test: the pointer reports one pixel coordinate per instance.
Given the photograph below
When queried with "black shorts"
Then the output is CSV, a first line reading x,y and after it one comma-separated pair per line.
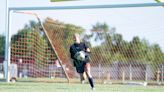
x,y
80,69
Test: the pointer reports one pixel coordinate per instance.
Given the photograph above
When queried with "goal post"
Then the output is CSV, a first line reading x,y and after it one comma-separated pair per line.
x,y
9,9
54,49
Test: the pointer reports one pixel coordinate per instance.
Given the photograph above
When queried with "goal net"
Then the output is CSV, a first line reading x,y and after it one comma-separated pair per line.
x,y
126,45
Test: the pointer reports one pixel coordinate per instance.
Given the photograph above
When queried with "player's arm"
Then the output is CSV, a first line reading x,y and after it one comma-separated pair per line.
x,y
88,51
87,48
72,57
71,52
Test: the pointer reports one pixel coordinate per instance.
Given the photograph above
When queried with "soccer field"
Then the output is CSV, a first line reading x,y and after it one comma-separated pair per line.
x,y
73,87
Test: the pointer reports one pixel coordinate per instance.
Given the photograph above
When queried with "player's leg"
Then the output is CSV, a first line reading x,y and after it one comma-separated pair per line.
x,y
88,73
88,69
82,78
80,70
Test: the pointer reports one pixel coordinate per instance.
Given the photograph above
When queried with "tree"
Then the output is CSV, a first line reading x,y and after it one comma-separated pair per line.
x,y
158,55
117,42
114,47
99,31
32,43
2,45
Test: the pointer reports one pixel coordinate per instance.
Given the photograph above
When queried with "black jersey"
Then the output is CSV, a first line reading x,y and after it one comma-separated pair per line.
x,y
79,64
76,48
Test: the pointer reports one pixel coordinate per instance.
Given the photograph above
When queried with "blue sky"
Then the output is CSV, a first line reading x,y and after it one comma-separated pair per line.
x,y
147,23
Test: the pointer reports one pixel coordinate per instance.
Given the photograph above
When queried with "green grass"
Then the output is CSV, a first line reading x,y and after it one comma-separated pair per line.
x,y
73,87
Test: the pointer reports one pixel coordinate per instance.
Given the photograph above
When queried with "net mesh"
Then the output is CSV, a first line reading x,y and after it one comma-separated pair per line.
x,y
113,59
32,54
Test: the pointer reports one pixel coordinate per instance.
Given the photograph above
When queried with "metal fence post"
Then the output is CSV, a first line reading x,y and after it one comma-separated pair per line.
x,y
123,76
130,75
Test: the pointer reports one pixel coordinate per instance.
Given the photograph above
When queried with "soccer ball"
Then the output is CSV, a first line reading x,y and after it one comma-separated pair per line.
x,y
80,55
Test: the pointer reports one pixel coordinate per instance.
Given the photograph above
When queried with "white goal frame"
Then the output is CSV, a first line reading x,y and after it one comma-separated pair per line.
x,y
10,9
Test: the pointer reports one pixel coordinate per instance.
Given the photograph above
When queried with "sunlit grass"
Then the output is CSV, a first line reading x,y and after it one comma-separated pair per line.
x,y
73,87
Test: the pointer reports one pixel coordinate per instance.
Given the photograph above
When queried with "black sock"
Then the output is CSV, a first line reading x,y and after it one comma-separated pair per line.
x,y
91,82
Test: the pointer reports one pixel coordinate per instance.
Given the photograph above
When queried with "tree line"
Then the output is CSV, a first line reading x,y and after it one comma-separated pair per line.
x,y
110,45
113,47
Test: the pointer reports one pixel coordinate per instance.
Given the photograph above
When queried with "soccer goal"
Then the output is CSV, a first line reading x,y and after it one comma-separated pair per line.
x,y
125,42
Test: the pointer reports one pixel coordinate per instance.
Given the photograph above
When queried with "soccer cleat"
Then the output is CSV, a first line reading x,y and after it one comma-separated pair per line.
x,y
92,89
82,82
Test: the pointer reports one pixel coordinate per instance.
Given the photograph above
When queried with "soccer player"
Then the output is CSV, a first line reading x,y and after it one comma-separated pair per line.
x,y
82,66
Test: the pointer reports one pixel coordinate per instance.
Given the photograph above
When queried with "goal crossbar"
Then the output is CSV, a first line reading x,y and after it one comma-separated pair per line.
x,y
88,6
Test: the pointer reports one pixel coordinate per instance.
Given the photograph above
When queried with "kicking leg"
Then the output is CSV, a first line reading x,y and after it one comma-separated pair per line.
x,y
88,73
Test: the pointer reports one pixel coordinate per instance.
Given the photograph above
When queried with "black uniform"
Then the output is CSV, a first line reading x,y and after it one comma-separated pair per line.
x,y
79,64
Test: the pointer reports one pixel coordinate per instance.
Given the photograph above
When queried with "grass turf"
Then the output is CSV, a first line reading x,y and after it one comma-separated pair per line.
x,y
73,87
